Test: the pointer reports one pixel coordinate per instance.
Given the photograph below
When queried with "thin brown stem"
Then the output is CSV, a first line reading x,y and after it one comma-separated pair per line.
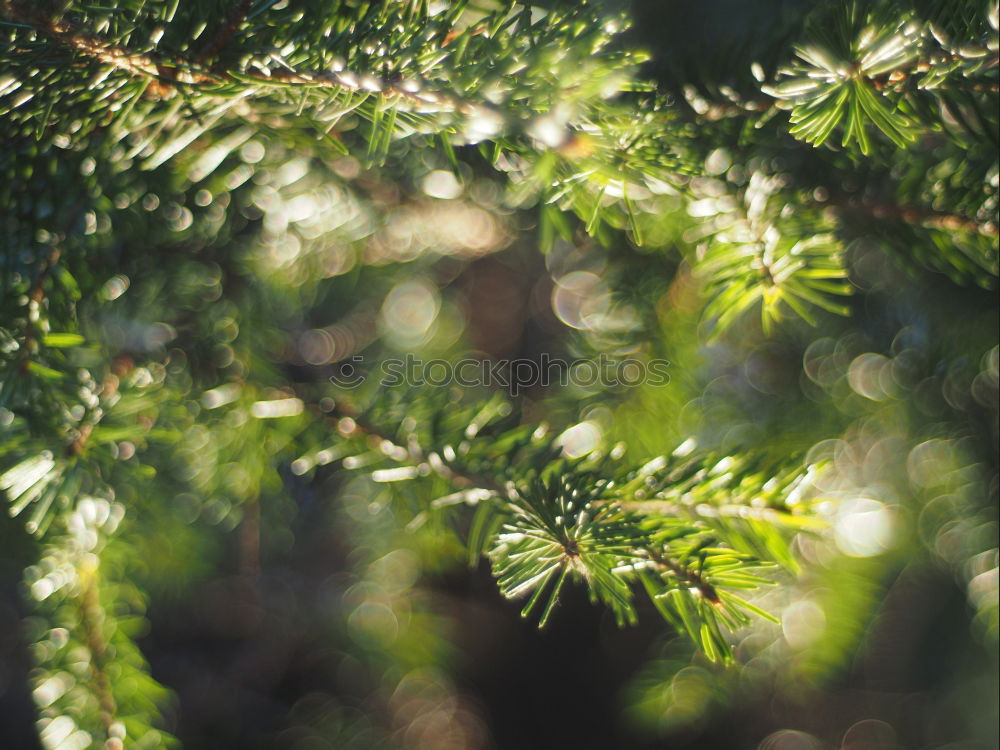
x,y
351,424
914,215
685,575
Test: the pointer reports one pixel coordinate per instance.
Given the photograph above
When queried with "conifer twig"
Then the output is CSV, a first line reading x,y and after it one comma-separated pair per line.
x,y
91,615
348,422
166,74
685,575
458,476
88,44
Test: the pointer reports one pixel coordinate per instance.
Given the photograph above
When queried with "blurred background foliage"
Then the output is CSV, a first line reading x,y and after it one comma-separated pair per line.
x,y
211,212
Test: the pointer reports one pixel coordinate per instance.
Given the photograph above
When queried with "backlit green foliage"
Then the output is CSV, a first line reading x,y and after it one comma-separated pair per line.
x,y
206,207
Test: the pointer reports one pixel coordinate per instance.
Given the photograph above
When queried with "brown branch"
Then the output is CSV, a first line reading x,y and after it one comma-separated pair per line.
x,y
913,215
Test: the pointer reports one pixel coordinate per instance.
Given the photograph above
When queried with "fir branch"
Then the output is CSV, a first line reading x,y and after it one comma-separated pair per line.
x,y
87,44
351,424
166,75
162,77
92,618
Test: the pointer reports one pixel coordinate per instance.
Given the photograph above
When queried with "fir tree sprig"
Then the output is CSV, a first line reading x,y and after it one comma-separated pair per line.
x,y
689,530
